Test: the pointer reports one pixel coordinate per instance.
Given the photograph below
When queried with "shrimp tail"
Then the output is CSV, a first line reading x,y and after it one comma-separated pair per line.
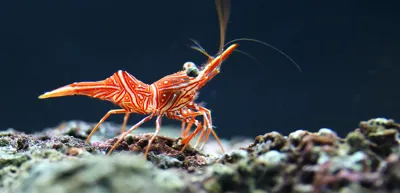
x,y
91,89
106,89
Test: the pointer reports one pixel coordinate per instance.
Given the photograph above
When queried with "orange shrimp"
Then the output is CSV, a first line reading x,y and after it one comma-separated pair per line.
x,y
172,96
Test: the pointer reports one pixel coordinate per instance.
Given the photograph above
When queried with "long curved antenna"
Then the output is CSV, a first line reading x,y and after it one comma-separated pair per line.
x,y
266,44
223,10
203,51
250,56
199,48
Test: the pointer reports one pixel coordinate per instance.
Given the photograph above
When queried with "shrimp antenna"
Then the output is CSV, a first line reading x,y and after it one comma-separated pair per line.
x,y
223,10
250,56
266,44
199,48
197,44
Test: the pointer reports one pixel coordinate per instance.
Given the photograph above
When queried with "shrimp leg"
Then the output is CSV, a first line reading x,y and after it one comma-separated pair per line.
x,y
130,130
115,111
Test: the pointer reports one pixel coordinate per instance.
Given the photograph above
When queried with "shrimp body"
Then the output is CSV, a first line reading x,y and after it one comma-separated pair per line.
x,y
172,96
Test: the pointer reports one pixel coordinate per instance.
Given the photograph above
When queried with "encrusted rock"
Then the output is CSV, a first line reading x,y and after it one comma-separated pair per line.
x,y
366,160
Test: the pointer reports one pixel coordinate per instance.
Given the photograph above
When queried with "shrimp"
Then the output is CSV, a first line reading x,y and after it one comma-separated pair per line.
x,y
172,96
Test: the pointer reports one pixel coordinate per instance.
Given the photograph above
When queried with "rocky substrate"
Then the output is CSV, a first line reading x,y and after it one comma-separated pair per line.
x,y
58,160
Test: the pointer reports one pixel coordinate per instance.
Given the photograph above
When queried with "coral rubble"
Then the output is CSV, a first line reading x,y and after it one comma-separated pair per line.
x,y
58,160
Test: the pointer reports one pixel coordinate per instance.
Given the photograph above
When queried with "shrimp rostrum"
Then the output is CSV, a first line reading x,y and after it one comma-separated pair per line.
x,y
173,96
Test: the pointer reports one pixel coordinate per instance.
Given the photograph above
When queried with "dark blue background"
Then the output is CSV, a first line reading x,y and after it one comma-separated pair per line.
x,y
348,50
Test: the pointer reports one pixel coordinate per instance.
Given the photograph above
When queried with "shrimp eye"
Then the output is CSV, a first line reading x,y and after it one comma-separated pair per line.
x,y
187,65
191,69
